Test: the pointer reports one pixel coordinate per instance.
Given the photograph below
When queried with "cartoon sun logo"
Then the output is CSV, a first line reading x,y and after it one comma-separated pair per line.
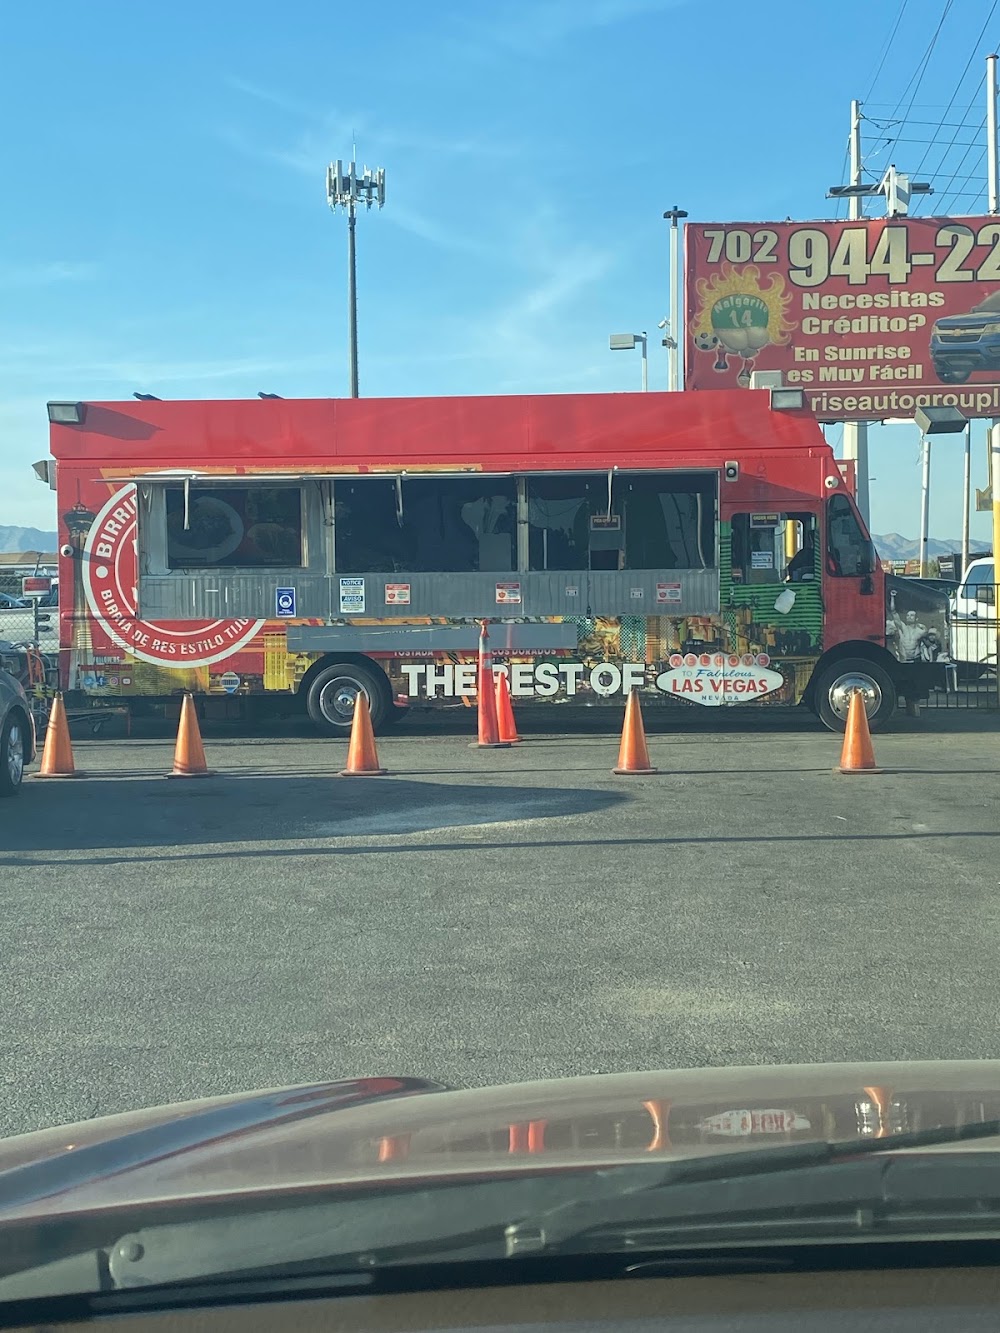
x,y
739,315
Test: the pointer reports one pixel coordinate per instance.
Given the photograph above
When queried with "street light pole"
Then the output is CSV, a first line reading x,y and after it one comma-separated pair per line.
x,y
676,315
993,181
625,342
346,189
925,505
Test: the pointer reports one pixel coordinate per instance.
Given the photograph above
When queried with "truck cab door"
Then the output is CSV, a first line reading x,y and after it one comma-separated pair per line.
x,y
852,600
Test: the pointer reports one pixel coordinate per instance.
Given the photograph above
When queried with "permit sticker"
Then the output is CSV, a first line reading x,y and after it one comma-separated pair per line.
x,y
352,597
668,592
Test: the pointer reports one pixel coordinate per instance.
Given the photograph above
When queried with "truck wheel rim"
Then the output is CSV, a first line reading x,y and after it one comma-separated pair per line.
x,y
15,755
844,686
336,699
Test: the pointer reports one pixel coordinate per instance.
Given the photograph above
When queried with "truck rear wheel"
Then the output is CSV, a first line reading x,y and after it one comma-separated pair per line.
x,y
331,695
839,680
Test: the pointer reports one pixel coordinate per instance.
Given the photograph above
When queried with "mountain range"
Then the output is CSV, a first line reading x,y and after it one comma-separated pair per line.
x,y
27,539
891,546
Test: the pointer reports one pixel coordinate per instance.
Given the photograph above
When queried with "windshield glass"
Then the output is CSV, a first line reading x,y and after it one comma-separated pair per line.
x,y
498,623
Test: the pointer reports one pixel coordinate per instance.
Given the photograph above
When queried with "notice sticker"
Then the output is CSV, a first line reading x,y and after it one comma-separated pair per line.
x,y
230,681
397,594
668,592
761,559
635,594
508,594
352,597
572,592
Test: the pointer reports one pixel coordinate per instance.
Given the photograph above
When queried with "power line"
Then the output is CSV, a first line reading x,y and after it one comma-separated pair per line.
x,y
961,163
885,51
930,142
922,106
921,69
961,81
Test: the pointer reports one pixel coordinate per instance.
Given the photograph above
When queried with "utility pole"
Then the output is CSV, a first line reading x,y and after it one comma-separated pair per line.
x,y
676,314
856,432
346,190
966,498
993,180
897,189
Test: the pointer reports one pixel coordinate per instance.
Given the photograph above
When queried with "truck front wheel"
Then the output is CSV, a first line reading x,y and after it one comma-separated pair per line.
x,y
839,680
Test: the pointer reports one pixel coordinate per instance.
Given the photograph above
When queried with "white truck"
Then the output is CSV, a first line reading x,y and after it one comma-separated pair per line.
x,y
974,620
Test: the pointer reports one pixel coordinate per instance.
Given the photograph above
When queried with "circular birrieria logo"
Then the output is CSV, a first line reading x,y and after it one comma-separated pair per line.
x,y
109,583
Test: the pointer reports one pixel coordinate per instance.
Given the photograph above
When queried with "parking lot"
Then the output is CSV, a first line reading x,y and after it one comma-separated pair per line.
x,y
483,916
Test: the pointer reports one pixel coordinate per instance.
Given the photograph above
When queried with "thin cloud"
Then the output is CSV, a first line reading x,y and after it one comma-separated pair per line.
x,y
332,127
149,373
47,274
270,97
544,23
426,229
64,365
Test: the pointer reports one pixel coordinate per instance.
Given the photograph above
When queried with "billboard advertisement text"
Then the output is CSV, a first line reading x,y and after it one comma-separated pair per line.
x,y
872,318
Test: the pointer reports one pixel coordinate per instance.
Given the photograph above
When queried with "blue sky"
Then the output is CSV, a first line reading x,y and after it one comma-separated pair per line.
x,y
164,225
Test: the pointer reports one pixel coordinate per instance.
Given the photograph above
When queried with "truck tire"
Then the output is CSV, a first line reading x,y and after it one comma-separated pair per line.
x,y
947,375
12,739
331,695
833,689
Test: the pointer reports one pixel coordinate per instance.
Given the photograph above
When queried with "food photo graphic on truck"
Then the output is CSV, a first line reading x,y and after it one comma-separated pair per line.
x,y
701,549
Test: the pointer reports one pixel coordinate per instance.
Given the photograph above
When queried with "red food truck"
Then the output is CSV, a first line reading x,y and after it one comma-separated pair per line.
x,y
702,548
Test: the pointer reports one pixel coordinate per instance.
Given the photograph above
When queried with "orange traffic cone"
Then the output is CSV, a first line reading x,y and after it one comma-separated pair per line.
x,y
189,753
506,725
489,728
857,756
57,753
633,756
362,757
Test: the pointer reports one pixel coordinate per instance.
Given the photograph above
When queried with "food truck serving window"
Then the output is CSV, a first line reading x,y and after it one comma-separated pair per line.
x,y
234,527
430,525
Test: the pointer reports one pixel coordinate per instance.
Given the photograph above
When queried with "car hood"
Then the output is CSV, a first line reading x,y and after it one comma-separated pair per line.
x,y
973,319
380,1129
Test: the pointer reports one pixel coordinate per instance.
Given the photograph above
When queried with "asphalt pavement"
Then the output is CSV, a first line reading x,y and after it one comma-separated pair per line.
x,y
488,916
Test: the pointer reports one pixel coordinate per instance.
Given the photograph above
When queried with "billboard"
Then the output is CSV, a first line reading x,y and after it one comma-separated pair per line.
x,y
872,318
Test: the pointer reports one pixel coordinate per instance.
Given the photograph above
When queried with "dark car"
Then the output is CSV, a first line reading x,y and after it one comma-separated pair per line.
x,y
961,344
17,733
